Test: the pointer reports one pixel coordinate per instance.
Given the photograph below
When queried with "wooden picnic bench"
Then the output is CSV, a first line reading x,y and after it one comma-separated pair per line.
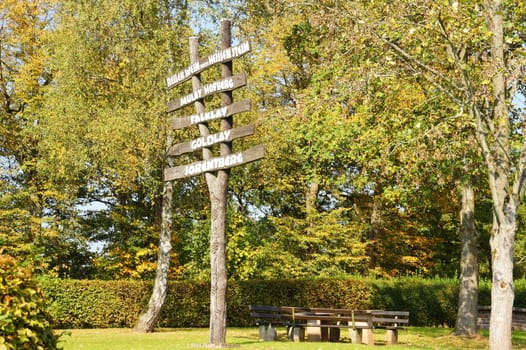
x,y
518,320
392,321
324,324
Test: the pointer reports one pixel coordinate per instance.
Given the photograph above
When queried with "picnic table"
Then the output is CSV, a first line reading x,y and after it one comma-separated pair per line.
x,y
324,324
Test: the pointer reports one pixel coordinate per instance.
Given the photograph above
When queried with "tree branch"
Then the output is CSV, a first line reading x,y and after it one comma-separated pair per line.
x,y
468,86
404,54
481,135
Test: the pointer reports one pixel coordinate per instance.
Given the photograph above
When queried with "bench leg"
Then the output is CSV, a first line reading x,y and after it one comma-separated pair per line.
x,y
296,334
267,333
392,336
315,332
262,332
324,334
356,335
368,336
334,335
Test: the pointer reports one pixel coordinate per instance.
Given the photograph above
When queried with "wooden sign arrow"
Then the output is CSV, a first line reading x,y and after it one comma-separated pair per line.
x,y
226,84
206,141
222,56
223,112
214,164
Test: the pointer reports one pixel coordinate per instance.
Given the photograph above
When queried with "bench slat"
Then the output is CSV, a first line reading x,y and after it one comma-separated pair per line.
x,y
270,316
390,320
264,308
391,313
332,318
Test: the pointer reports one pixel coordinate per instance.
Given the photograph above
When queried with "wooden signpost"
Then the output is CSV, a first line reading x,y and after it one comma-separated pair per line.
x,y
215,167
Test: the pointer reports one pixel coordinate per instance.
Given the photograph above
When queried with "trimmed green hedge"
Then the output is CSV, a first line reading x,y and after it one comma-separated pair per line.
x,y
103,304
95,304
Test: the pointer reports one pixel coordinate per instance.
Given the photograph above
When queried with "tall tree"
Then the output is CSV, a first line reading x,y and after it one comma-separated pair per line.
x,y
24,194
104,124
455,61
507,174
442,45
303,149
336,97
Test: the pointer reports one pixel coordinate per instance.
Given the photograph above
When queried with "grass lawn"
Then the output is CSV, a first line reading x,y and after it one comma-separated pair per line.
x,y
247,338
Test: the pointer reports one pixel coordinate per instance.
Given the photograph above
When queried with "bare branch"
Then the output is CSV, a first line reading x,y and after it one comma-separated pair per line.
x,y
429,131
404,54
481,135
468,86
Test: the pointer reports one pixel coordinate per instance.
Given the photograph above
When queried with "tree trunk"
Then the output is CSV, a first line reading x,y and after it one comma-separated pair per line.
x,y
502,290
218,187
147,320
467,313
505,200
311,202
376,218
218,281
375,230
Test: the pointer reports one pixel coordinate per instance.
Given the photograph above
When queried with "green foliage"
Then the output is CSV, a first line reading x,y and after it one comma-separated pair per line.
x,y
431,301
353,141
95,304
328,244
193,246
105,132
25,322
23,192
187,305
105,304
520,245
347,131
356,180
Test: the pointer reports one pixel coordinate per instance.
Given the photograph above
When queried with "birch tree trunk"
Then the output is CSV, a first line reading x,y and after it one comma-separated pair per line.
x,y
505,199
467,314
502,290
147,320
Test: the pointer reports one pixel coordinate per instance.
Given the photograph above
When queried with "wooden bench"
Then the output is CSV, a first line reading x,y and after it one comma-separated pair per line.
x,y
267,317
518,320
392,321
324,324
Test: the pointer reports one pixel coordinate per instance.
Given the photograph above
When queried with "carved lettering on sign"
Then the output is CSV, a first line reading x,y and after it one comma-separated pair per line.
x,y
206,141
209,140
226,84
197,67
222,112
203,117
213,164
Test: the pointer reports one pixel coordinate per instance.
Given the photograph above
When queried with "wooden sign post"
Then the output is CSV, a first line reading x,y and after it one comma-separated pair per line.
x,y
215,167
